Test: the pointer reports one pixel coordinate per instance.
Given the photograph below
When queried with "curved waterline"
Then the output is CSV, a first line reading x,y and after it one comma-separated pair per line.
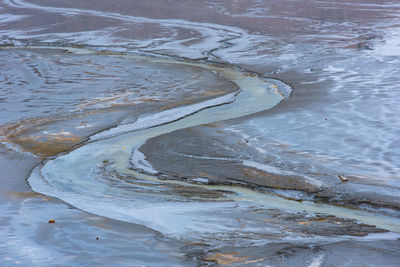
x,y
112,189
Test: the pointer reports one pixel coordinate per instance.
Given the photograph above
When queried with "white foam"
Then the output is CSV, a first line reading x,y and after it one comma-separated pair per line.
x,y
17,148
390,45
211,34
5,18
317,261
200,180
163,117
139,161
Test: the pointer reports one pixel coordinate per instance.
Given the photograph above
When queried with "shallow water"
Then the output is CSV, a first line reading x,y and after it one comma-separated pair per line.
x,y
89,78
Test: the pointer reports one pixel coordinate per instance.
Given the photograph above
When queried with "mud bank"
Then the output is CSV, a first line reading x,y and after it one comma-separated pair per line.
x,y
260,189
212,155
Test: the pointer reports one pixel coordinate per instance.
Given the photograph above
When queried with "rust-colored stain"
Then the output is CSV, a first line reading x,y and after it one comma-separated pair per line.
x,y
276,181
23,195
267,179
28,136
304,222
311,221
254,75
230,258
116,101
276,91
177,104
213,93
213,125
46,145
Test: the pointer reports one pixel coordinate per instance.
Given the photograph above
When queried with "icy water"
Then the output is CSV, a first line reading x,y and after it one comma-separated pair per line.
x,y
200,133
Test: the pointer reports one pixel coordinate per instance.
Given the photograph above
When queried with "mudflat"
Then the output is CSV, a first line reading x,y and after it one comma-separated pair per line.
x,y
191,133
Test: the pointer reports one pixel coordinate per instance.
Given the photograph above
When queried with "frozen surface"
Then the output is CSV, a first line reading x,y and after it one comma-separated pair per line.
x,y
340,57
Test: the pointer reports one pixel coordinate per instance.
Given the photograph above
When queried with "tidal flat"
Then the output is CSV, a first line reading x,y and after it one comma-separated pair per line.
x,y
192,133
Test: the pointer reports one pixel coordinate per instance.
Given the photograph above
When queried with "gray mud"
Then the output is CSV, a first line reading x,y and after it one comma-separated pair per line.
x,y
372,253
341,59
211,155
29,240
189,154
52,99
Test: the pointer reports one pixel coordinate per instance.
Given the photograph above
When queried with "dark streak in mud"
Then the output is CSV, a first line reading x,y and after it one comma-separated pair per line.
x,y
209,153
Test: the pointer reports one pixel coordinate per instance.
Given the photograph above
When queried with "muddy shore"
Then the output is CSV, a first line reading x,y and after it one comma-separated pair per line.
x,y
258,190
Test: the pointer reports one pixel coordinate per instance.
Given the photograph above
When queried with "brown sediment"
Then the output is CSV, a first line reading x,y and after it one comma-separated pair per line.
x,y
123,101
42,137
230,258
177,104
190,193
24,195
329,253
195,193
47,145
30,124
41,145
30,134
266,179
341,196
319,224
213,125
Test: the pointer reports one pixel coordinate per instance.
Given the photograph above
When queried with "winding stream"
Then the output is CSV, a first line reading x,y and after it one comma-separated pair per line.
x,y
97,177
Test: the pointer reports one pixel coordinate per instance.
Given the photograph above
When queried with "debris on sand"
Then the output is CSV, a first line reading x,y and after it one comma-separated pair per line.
x,y
343,178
